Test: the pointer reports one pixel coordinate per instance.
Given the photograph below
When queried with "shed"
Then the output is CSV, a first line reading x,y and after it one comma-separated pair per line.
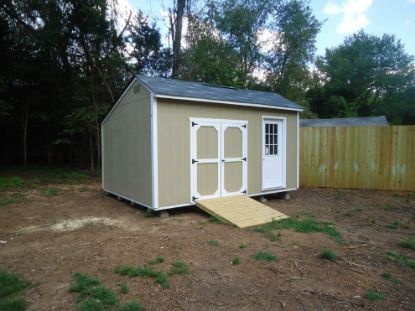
x,y
339,122
167,143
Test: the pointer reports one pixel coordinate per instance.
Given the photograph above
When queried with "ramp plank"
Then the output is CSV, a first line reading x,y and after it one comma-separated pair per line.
x,y
240,210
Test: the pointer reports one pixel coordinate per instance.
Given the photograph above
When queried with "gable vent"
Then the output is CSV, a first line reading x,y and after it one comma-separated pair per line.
x,y
137,89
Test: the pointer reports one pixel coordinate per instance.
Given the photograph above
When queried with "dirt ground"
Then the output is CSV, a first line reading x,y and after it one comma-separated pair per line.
x,y
47,238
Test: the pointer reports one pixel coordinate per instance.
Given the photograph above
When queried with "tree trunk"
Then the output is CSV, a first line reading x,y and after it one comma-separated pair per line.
x,y
25,125
177,37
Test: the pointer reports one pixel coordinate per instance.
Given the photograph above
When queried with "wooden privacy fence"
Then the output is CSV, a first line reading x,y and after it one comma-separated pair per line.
x,y
367,157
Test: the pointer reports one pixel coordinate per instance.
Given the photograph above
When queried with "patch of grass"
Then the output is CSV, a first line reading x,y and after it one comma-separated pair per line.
x,y
274,236
236,260
50,192
401,259
130,306
123,287
156,260
374,295
388,276
301,225
93,296
393,225
163,279
388,206
408,243
179,267
328,254
243,245
135,271
13,198
264,256
305,214
216,220
149,214
11,182
213,242
358,209
12,286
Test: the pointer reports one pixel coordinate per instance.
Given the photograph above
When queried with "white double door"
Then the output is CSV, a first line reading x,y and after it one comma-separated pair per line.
x,y
218,158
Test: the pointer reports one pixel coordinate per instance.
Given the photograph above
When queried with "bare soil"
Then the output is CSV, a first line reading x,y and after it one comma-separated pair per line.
x,y
47,238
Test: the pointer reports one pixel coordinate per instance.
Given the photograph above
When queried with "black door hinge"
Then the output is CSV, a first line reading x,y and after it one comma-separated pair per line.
x,y
243,125
244,191
194,198
244,159
194,161
194,123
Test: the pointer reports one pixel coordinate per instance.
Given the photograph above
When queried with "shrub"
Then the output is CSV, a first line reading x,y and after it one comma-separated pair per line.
x,y
236,260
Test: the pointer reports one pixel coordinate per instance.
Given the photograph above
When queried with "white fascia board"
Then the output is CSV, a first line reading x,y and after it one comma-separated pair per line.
x,y
225,102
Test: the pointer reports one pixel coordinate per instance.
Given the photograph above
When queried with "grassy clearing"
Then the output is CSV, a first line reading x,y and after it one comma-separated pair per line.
x,y
236,260
93,296
161,277
156,261
328,254
213,242
264,256
12,287
374,295
401,259
408,243
388,276
301,225
11,198
11,182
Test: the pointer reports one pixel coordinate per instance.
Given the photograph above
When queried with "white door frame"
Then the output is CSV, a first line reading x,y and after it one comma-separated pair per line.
x,y
195,124
284,150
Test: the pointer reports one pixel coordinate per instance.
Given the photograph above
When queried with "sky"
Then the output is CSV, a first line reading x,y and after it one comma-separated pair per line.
x,y
341,18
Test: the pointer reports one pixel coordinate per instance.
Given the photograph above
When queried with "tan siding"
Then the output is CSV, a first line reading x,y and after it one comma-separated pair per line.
x,y
174,145
127,148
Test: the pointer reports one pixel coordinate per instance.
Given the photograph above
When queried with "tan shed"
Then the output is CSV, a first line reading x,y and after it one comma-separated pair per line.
x,y
167,143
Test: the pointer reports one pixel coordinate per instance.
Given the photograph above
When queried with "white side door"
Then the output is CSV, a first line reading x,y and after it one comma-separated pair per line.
x,y
273,153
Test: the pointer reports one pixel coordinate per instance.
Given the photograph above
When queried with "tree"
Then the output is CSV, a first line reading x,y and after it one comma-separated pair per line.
x,y
361,76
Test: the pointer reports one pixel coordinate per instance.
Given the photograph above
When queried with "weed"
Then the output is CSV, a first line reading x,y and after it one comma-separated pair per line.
x,y
82,282
123,288
52,192
163,279
275,236
12,287
394,225
11,182
135,271
264,256
213,242
156,260
408,243
374,295
388,276
179,267
216,219
236,260
328,254
243,245
104,295
130,306
401,259
301,225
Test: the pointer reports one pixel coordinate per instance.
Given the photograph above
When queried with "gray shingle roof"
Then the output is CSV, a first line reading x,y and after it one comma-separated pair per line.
x,y
199,90
363,121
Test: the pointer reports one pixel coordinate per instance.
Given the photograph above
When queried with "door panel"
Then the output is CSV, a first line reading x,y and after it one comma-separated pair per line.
x,y
273,154
233,142
233,176
207,179
207,138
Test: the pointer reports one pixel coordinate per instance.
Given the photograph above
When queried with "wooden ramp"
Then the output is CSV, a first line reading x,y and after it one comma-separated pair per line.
x,y
240,210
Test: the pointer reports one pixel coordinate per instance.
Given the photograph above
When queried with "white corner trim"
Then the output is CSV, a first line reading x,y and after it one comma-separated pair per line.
x,y
154,153
102,157
197,99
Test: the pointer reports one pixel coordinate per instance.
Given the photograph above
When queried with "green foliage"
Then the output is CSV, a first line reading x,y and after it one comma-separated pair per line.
x,y
52,192
301,225
401,259
264,256
394,225
388,276
123,288
130,306
179,267
82,281
216,219
12,287
243,245
11,182
213,242
328,254
236,260
162,278
275,236
374,295
156,260
11,198
408,243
